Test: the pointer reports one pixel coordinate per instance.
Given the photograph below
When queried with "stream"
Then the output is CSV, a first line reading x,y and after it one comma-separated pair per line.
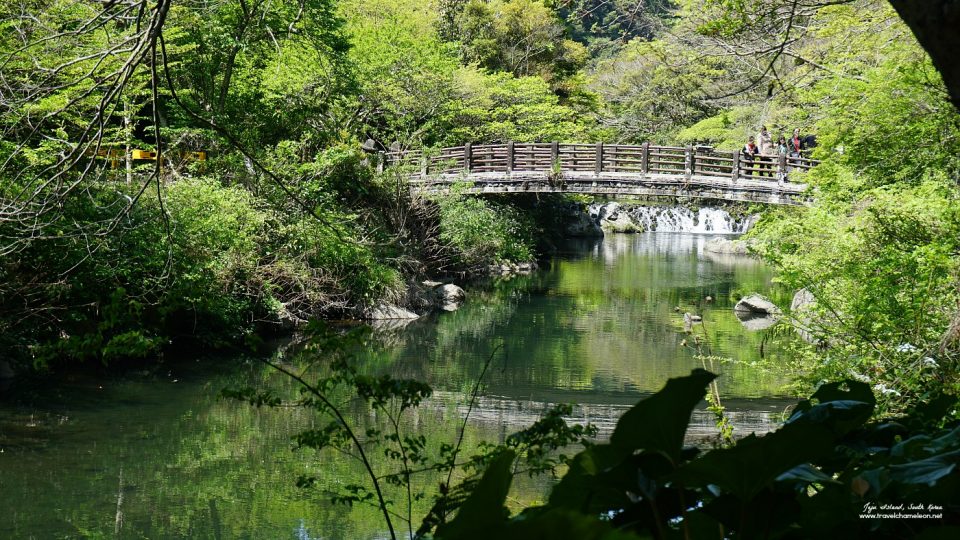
x,y
157,454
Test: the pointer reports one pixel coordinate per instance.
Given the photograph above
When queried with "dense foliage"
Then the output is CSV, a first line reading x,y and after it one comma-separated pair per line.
x,y
107,256
827,472
878,248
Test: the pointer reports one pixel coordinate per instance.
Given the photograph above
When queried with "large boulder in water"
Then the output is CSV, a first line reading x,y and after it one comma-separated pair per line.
x,y
621,223
756,312
436,296
802,308
803,301
756,321
757,304
726,246
580,221
387,326
449,297
615,218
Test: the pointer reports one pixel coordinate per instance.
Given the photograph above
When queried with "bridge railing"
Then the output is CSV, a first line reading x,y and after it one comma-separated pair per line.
x,y
598,158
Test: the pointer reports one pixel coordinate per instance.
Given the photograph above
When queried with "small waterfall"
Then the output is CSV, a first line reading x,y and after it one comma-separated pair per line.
x,y
669,219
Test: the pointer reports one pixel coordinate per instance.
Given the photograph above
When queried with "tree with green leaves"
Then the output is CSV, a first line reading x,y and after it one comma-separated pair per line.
x,y
524,37
653,88
102,263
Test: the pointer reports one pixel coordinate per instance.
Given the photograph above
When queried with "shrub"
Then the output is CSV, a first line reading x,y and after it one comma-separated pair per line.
x,y
352,270
484,232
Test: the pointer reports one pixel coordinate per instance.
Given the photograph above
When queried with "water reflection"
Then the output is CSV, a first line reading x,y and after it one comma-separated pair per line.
x,y
158,455
605,320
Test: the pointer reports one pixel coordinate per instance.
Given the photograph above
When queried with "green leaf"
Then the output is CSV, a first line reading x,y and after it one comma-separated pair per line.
x,y
841,406
483,511
660,422
588,486
600,476
755,462
950,439
843,391
926,471
805,474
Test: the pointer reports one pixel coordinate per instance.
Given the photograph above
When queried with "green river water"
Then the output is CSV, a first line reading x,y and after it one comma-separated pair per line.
x,y
156,454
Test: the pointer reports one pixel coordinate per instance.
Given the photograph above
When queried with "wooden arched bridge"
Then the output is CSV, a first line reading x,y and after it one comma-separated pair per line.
x,y
605,169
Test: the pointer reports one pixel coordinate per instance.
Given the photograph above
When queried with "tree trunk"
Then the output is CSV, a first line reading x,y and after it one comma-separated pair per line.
x,y
936,25
127,136
227,76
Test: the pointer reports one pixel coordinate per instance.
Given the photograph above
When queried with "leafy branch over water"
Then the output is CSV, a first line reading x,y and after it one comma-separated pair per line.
x,y
812,477
333,385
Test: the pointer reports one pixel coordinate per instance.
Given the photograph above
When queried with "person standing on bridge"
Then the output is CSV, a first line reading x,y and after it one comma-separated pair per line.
x,y
783,150
750,151
797,144
765,142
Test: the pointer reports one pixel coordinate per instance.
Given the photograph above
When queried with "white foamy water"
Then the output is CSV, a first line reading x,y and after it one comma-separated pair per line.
x,y
676,218
679,219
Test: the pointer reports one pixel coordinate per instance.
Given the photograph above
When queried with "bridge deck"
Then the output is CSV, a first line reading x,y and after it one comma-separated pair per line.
x,y
635,184
600,169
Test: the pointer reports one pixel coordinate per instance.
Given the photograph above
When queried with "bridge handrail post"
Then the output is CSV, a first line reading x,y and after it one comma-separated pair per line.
x,y
598,165
554,155
689,162
645,158
735,173
510,151
467,157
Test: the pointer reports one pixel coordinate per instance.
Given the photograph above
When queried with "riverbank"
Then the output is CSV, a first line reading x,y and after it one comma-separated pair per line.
x,y
235,278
